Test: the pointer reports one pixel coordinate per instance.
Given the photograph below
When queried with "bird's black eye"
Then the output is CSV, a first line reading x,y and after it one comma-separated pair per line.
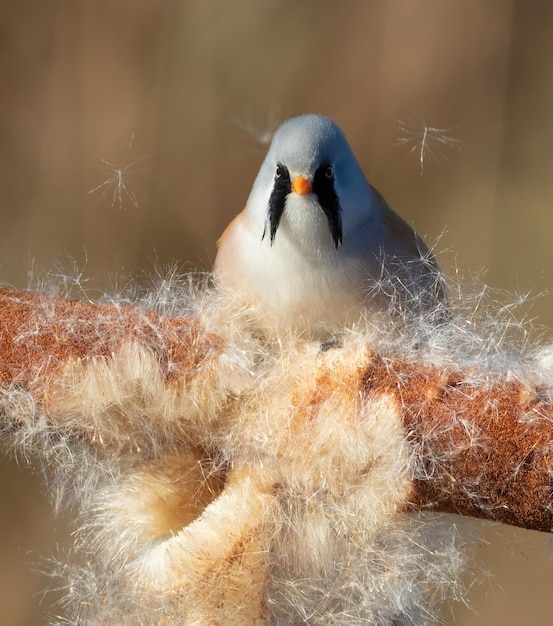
x,y
329,172
279,171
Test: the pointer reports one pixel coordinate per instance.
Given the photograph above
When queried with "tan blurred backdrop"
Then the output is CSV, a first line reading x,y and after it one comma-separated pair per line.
x,y
128,138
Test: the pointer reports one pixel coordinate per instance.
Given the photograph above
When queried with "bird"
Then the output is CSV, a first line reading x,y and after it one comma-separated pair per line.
x,y
316,246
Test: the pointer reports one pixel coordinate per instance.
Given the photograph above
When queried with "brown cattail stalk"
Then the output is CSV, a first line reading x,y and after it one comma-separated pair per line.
x,y
222,481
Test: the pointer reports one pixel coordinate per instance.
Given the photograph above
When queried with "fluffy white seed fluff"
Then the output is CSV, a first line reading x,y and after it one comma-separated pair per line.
x,y
237,492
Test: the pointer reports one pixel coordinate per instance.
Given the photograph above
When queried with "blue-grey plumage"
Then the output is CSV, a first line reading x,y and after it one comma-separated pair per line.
x,y
316,244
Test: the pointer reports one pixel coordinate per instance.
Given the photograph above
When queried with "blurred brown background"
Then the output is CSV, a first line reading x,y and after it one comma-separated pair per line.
x,y
128,139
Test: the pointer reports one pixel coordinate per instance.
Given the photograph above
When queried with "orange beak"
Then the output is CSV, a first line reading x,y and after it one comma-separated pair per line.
x,y
302,186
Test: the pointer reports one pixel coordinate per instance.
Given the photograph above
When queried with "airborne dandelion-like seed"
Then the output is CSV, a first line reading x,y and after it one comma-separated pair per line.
x,y
70,276
425,140
260,127
118,184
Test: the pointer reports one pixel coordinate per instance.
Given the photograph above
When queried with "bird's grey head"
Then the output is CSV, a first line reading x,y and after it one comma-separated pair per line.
x,y
309,154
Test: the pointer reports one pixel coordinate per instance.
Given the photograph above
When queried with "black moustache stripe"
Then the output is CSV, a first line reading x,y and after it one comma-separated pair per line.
x,y
277,201
323,187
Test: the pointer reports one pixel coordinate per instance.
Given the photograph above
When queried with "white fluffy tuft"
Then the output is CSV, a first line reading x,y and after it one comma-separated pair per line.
x,y
255,479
